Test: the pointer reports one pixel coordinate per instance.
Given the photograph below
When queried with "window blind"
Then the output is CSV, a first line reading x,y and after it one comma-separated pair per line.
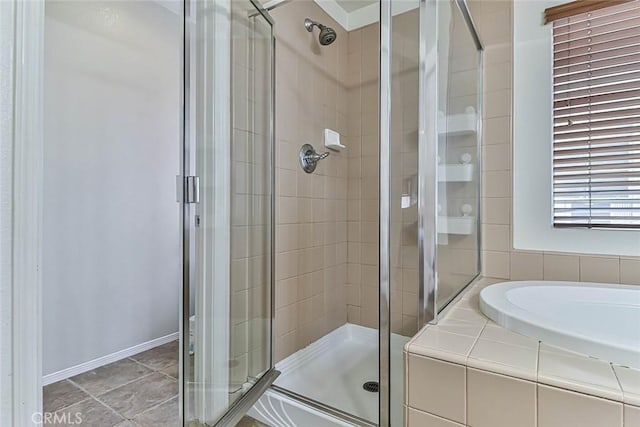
x,y
596,118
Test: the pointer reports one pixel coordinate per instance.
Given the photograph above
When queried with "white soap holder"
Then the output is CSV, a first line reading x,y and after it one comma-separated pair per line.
x,y
332,140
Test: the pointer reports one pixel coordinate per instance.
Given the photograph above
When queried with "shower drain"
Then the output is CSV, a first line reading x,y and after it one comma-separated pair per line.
x,y
371,386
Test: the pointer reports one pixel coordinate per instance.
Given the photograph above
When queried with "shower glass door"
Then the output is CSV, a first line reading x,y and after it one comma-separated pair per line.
x,y
413,67
228,210
430,88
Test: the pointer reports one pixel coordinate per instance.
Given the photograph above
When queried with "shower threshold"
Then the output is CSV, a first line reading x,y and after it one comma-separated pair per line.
x,y
333,371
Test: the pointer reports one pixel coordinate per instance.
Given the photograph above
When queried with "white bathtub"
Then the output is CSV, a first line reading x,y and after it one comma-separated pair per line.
x,y
595,319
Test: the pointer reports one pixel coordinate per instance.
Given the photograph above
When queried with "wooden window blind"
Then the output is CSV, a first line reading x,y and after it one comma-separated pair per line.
x,y
596,118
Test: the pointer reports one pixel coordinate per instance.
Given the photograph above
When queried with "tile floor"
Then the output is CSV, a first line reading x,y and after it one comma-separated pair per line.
x,y
139,391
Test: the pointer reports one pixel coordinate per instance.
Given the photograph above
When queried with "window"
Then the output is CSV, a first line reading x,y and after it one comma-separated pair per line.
x,y
596,114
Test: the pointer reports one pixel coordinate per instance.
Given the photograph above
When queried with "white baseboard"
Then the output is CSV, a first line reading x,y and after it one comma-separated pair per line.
x,y
105,360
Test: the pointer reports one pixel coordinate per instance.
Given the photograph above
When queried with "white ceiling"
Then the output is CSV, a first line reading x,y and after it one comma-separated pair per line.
x,y
352,5
354,14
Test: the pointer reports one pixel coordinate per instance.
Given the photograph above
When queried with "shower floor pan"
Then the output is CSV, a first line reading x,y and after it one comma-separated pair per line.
x,y
333,370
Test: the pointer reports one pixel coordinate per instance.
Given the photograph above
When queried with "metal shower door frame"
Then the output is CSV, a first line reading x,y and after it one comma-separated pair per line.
x,y
427,180
188,218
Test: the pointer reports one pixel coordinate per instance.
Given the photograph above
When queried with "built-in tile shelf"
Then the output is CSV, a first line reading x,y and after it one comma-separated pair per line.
x,y
458,124
464,225
455,173
490,376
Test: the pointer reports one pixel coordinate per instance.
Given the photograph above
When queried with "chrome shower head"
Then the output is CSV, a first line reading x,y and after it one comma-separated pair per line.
x,y
327,34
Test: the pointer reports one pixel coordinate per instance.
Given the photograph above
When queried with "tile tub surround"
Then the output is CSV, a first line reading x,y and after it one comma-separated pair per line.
x,y
488,376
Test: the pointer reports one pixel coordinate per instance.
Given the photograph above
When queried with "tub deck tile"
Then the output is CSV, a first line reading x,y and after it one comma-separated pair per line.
x,y
466,337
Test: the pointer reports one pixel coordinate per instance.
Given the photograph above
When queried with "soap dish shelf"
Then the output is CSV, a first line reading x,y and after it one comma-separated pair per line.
x,y
455,173
458,124
464,225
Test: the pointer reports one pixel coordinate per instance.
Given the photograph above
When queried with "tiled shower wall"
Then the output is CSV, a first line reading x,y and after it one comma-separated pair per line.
x,y
500,259
327,222
311,209
362,209
363,175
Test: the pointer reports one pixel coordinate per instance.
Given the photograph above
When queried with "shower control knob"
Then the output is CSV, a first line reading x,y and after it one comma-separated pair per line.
x,y
309,158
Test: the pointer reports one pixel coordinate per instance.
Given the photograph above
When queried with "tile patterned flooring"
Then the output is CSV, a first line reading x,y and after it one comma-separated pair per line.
x,y
139,391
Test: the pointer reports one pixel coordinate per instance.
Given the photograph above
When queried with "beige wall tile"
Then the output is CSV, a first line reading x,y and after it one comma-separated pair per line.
x,y
497,131
499,401
561,267
447,399
496,237
599,269
496,210
496,264
496,157
497,104
496,184
353,314
630,271
561,408
497,75
422,419
526,266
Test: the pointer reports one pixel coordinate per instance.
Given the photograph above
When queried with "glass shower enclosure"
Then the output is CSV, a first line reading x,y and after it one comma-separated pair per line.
x,y
228,211
430,175
427,132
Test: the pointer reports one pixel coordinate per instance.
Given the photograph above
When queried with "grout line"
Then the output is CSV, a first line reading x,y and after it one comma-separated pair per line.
x,y
466,394
111,389
168,376
474,343
538,362
615,374
100,401
74,403
111,409
157,405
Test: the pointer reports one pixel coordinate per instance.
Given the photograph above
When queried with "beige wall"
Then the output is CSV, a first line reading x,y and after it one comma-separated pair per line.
x,y
362,211
311,209
500,259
